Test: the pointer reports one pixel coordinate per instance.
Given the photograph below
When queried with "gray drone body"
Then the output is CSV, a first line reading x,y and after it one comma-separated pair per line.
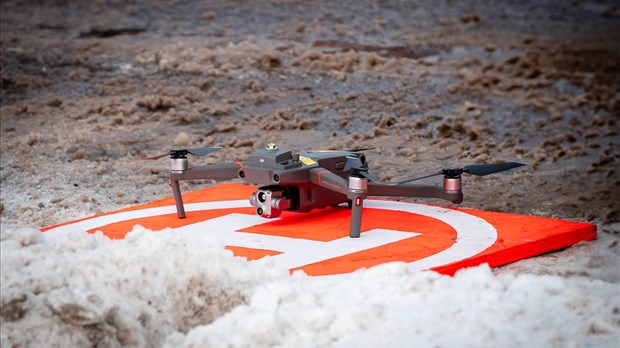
x,y
303,181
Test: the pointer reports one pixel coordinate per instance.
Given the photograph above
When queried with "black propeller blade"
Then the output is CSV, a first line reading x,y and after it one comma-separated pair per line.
x,y
359,168
153,158
203,151
353,162
359,150
420,177
182,153
486,169
474,169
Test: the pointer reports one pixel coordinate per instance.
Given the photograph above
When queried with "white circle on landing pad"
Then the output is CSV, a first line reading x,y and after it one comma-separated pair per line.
x,y
473,234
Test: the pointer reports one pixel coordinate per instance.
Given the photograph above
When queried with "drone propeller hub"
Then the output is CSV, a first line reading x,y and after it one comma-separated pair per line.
x,y
452,172
176,154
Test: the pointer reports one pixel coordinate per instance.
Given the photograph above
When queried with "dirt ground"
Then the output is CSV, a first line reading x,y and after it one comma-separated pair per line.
x,y
87,88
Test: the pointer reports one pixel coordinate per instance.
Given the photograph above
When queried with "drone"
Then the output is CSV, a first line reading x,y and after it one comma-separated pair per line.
x,y
305,180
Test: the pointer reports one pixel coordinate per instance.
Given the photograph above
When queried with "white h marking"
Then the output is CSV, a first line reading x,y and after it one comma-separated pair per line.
x,y
295,252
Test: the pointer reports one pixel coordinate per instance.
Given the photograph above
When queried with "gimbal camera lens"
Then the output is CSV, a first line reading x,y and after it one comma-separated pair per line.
x,y
259,211
262,197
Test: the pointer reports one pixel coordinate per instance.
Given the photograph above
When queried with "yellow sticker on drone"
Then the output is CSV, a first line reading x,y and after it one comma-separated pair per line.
x,y
307,160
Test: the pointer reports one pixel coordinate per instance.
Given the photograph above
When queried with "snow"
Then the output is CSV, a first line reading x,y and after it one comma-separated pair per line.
x,y
179,290
133,292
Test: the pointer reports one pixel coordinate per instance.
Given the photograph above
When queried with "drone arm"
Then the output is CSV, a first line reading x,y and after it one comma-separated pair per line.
x,y
414,190
212,171
324,178
228,170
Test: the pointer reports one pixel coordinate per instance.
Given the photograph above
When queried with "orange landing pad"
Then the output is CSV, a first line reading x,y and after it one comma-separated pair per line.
x,y
426,237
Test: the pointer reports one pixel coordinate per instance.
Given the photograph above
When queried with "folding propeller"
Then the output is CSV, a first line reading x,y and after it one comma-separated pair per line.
x,y
184,152
359,168
474,169
359,150
355,163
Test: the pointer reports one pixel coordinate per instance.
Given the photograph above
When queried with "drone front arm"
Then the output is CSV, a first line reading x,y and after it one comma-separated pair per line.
x,y
414,190
324,178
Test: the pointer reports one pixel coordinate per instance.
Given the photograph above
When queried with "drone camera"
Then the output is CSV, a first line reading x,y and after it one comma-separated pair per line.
x,y
269,204
262,196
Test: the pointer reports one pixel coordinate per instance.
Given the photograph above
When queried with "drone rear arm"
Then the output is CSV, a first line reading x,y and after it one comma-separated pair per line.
x,y
414,190
212,171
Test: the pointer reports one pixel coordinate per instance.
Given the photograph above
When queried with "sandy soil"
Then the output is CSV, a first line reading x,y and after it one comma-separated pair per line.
x,y
87,88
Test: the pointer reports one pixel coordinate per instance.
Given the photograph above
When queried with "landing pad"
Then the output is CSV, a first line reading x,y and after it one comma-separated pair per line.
x,y
426,237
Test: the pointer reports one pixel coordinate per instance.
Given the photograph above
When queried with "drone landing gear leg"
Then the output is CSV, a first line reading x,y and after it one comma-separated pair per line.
x,y
356,217
178,199
358,188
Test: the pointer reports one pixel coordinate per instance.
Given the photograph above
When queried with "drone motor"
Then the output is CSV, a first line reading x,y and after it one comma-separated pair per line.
x,y
452,185
179,164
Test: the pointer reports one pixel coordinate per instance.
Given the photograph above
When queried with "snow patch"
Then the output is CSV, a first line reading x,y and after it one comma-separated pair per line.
x,y
77,289
172,289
